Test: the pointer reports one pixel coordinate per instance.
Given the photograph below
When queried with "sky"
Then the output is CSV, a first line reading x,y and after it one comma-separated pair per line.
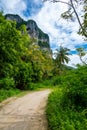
x,y
48,17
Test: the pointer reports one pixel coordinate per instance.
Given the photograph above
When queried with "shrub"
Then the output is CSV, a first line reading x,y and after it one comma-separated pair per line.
x,y
7,83
24,76
61,117
67,107
57,80
76,88
7,93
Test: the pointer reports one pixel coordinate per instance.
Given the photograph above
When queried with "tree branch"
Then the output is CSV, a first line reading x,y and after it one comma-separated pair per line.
x,y
72,6
56,1
76,15
83,61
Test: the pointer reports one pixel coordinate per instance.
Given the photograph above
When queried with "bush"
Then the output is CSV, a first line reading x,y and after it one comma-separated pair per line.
x,y
61,117
7,93
24,76
67,107
76,88
57,80
7,83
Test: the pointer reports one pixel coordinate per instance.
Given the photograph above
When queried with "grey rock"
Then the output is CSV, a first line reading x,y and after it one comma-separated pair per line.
x,y
42,39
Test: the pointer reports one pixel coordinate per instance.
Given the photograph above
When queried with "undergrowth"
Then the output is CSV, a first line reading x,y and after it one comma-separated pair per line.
x,y
67,105
4,94
63,117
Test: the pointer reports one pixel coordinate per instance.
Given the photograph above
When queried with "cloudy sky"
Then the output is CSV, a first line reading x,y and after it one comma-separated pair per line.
x,y
47,15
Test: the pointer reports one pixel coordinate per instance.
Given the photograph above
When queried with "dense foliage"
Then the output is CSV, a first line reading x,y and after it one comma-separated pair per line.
x,y
21,60
67,105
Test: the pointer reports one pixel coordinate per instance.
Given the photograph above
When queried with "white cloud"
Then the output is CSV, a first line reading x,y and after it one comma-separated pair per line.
x,y
13,6
47,19
37,1
59,30
74,60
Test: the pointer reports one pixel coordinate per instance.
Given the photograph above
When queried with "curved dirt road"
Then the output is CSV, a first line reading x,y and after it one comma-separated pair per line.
x,y
25,113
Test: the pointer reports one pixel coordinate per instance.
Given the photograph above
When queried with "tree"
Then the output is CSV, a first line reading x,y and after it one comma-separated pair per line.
x,y
62,56
21,59
81,53
84,24
13,47
72,10
41,62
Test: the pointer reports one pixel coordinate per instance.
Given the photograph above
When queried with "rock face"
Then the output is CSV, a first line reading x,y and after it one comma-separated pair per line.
x,y
16,18
42,39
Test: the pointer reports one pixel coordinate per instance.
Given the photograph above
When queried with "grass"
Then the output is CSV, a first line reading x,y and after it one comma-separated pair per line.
x,y
62,117
4,94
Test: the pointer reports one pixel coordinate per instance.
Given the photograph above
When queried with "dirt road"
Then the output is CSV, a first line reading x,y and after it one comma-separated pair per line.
x,y
25,113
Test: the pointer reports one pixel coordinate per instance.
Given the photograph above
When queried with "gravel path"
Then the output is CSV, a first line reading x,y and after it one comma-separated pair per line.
x,y
25,113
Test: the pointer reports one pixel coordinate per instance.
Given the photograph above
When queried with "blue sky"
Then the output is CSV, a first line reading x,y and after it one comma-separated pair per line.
x,y
33,7
47,16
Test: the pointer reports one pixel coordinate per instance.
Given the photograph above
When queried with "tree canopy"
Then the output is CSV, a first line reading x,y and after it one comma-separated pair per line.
x,y
21,60
62,56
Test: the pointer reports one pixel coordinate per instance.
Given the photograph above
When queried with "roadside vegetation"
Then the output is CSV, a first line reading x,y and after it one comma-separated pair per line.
x,y
22,62
67,104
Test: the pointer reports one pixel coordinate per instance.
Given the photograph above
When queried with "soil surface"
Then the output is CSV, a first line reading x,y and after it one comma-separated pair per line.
x,y
25,113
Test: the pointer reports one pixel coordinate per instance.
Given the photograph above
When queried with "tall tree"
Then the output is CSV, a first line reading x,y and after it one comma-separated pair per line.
x,y
81,53
62,56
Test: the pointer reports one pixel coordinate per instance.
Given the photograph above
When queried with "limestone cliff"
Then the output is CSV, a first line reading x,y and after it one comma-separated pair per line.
x,y
33,30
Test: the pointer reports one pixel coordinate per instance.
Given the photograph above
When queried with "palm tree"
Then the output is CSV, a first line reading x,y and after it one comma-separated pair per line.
x,y
62,56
